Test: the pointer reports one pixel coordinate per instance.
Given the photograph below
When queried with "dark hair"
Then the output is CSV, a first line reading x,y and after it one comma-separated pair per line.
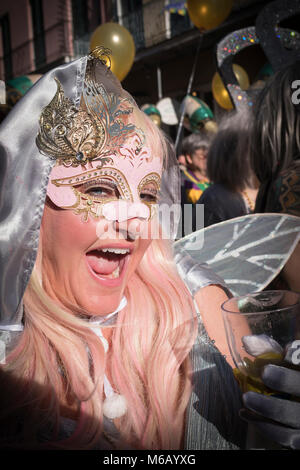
x,y
228,156
194,142
275,132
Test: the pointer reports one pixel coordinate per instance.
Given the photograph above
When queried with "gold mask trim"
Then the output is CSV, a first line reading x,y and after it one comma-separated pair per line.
x,y
70,136
108,172
150,178
103,54
88,205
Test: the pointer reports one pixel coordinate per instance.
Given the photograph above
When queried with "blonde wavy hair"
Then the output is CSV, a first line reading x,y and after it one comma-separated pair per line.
x,y
58,356
59,359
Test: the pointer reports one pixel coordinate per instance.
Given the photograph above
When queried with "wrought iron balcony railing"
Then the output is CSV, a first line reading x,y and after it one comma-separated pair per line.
x,y
150,24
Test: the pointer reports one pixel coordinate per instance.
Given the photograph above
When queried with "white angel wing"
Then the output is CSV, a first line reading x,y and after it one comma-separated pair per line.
x,y
247,252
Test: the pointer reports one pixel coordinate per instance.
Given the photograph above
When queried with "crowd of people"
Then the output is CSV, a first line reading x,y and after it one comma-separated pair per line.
x,y
217,171
251,165
111,341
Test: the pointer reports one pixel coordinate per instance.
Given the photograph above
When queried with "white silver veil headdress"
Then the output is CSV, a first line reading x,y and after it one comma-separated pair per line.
x,y
24,174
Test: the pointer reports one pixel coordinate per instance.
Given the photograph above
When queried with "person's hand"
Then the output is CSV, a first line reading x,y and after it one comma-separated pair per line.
x,y
276,417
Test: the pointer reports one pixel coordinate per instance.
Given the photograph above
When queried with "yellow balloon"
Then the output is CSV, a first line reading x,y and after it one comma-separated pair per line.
x,y
219,91
208,14
119,40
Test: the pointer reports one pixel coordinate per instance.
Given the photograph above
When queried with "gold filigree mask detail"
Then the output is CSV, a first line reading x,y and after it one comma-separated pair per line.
x,y
108,173
70,136
98,140
90,203
87,204
103,54
98,128
154,180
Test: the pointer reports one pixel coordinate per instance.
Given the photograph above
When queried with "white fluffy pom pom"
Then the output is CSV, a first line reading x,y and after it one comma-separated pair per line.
x,y
114,406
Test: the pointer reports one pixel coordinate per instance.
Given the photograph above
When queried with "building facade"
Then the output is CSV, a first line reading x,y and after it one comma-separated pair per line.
x,y
36,35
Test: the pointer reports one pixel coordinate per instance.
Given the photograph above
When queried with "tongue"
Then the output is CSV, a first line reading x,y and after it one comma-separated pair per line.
x,y
102,264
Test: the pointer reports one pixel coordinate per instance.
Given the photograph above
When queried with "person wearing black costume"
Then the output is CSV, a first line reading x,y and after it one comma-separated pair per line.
x,y
234,186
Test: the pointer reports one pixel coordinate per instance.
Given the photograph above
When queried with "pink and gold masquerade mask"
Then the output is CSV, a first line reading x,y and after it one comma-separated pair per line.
x,y
104,166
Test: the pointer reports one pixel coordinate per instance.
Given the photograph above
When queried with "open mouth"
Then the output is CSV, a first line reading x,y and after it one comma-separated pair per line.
x,y
107,263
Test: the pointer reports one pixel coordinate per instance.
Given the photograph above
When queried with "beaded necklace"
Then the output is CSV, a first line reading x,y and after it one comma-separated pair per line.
x,y
249,201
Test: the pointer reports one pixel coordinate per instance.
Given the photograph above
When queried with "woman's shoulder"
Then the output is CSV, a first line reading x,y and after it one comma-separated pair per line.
x,y
218,194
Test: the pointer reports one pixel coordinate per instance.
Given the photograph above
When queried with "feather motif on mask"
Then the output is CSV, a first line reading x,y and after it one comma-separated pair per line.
x,y
98,128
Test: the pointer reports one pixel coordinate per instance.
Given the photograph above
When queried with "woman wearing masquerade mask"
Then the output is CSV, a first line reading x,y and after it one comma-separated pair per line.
x,y
101,332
